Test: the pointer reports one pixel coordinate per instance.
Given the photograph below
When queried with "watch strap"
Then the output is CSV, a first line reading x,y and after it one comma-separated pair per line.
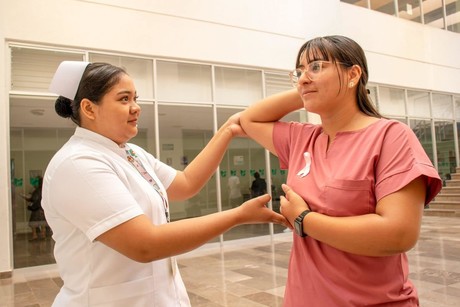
x,y
299,222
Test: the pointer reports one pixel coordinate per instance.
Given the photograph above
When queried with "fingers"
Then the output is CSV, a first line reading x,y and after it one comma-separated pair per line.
x,y
287,190
281,220
256,211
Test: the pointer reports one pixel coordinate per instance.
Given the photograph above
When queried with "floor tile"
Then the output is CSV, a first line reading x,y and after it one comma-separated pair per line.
x,y
252,272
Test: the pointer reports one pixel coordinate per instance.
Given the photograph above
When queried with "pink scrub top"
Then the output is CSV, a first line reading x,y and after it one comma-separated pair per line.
x,y
348,179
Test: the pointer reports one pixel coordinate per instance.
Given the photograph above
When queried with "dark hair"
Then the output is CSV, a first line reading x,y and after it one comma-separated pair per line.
x,y
97,80
337,48
256,175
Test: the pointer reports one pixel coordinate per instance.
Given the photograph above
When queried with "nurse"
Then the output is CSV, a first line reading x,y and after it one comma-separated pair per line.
x,y
107,201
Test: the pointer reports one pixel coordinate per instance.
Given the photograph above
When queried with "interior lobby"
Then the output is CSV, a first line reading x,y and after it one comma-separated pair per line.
x,y
194,65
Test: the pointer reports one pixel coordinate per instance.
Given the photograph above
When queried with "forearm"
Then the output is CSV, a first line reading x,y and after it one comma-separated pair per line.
x,y
185,235
368,235
258,120
393,228
202,167
142,241
272,108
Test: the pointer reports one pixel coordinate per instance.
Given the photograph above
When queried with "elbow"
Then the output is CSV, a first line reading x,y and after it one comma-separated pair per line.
x,y
244,120
144,255
403,242
408,243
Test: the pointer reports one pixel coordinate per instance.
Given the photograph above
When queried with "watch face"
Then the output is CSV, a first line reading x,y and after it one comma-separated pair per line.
x,y
298,228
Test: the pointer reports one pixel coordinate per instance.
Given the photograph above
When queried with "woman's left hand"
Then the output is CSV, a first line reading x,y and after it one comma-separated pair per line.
x,y
291,204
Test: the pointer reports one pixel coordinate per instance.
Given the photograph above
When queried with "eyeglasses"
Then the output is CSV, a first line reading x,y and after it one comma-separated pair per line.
x,y
313,71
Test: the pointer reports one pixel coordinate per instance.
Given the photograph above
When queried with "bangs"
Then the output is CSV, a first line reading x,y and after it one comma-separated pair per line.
x,y
317,49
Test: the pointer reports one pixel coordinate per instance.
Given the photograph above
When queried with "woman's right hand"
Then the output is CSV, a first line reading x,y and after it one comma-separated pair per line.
x,y
291,204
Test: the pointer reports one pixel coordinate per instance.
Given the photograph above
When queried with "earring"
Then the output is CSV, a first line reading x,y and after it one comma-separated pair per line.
x,y
351,84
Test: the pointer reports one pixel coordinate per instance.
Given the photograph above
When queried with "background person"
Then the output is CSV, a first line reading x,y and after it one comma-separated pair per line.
x,y
37,220
234,195
356,186
107,201
258,186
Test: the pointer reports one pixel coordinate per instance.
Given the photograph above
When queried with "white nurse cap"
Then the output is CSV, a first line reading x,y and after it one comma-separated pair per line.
x,y
67,78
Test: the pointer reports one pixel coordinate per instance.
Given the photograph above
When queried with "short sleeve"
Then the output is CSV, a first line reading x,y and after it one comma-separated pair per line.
x,y
287,136
403,159
92,193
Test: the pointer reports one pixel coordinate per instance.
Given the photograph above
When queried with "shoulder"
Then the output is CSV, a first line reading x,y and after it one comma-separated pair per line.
x,y
392,129
391,124
296,125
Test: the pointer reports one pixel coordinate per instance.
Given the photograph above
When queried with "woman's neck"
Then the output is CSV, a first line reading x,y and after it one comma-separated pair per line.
x,y
346,122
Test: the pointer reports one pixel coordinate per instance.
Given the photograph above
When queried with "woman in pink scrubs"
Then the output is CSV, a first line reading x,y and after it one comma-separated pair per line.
x,y
356,187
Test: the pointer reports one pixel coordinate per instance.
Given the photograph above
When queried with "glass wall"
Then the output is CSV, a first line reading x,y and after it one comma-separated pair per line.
x,y
387,7
422,129
392,101
443,14
184,132
445,148
183,104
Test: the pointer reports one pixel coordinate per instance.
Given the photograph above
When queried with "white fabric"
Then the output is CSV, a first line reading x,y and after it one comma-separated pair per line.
x,y
67,78
90,187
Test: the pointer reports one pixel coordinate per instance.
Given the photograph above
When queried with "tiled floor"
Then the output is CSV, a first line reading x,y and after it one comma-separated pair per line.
x,y
252,272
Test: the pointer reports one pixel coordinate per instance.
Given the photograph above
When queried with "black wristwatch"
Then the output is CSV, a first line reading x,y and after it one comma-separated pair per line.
x,y
298,223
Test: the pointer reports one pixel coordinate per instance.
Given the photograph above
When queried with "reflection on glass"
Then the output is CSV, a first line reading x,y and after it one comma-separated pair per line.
x,y
33,69
453,15
141,70
276,83
422,129
243,158
384,6
373,95
238,86
410,10
418,103
362,3
33,148
430,12
445,148
146,129
433,13
183,82
442,106
457,108
391,101
184,132
399,119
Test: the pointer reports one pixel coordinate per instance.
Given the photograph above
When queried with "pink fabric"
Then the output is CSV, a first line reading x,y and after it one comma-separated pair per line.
x,y
359,168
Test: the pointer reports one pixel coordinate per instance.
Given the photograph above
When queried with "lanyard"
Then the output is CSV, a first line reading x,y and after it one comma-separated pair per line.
x,y
134,160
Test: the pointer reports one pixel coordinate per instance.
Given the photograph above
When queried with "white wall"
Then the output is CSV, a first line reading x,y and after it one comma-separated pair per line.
x,y
404,53
257,33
